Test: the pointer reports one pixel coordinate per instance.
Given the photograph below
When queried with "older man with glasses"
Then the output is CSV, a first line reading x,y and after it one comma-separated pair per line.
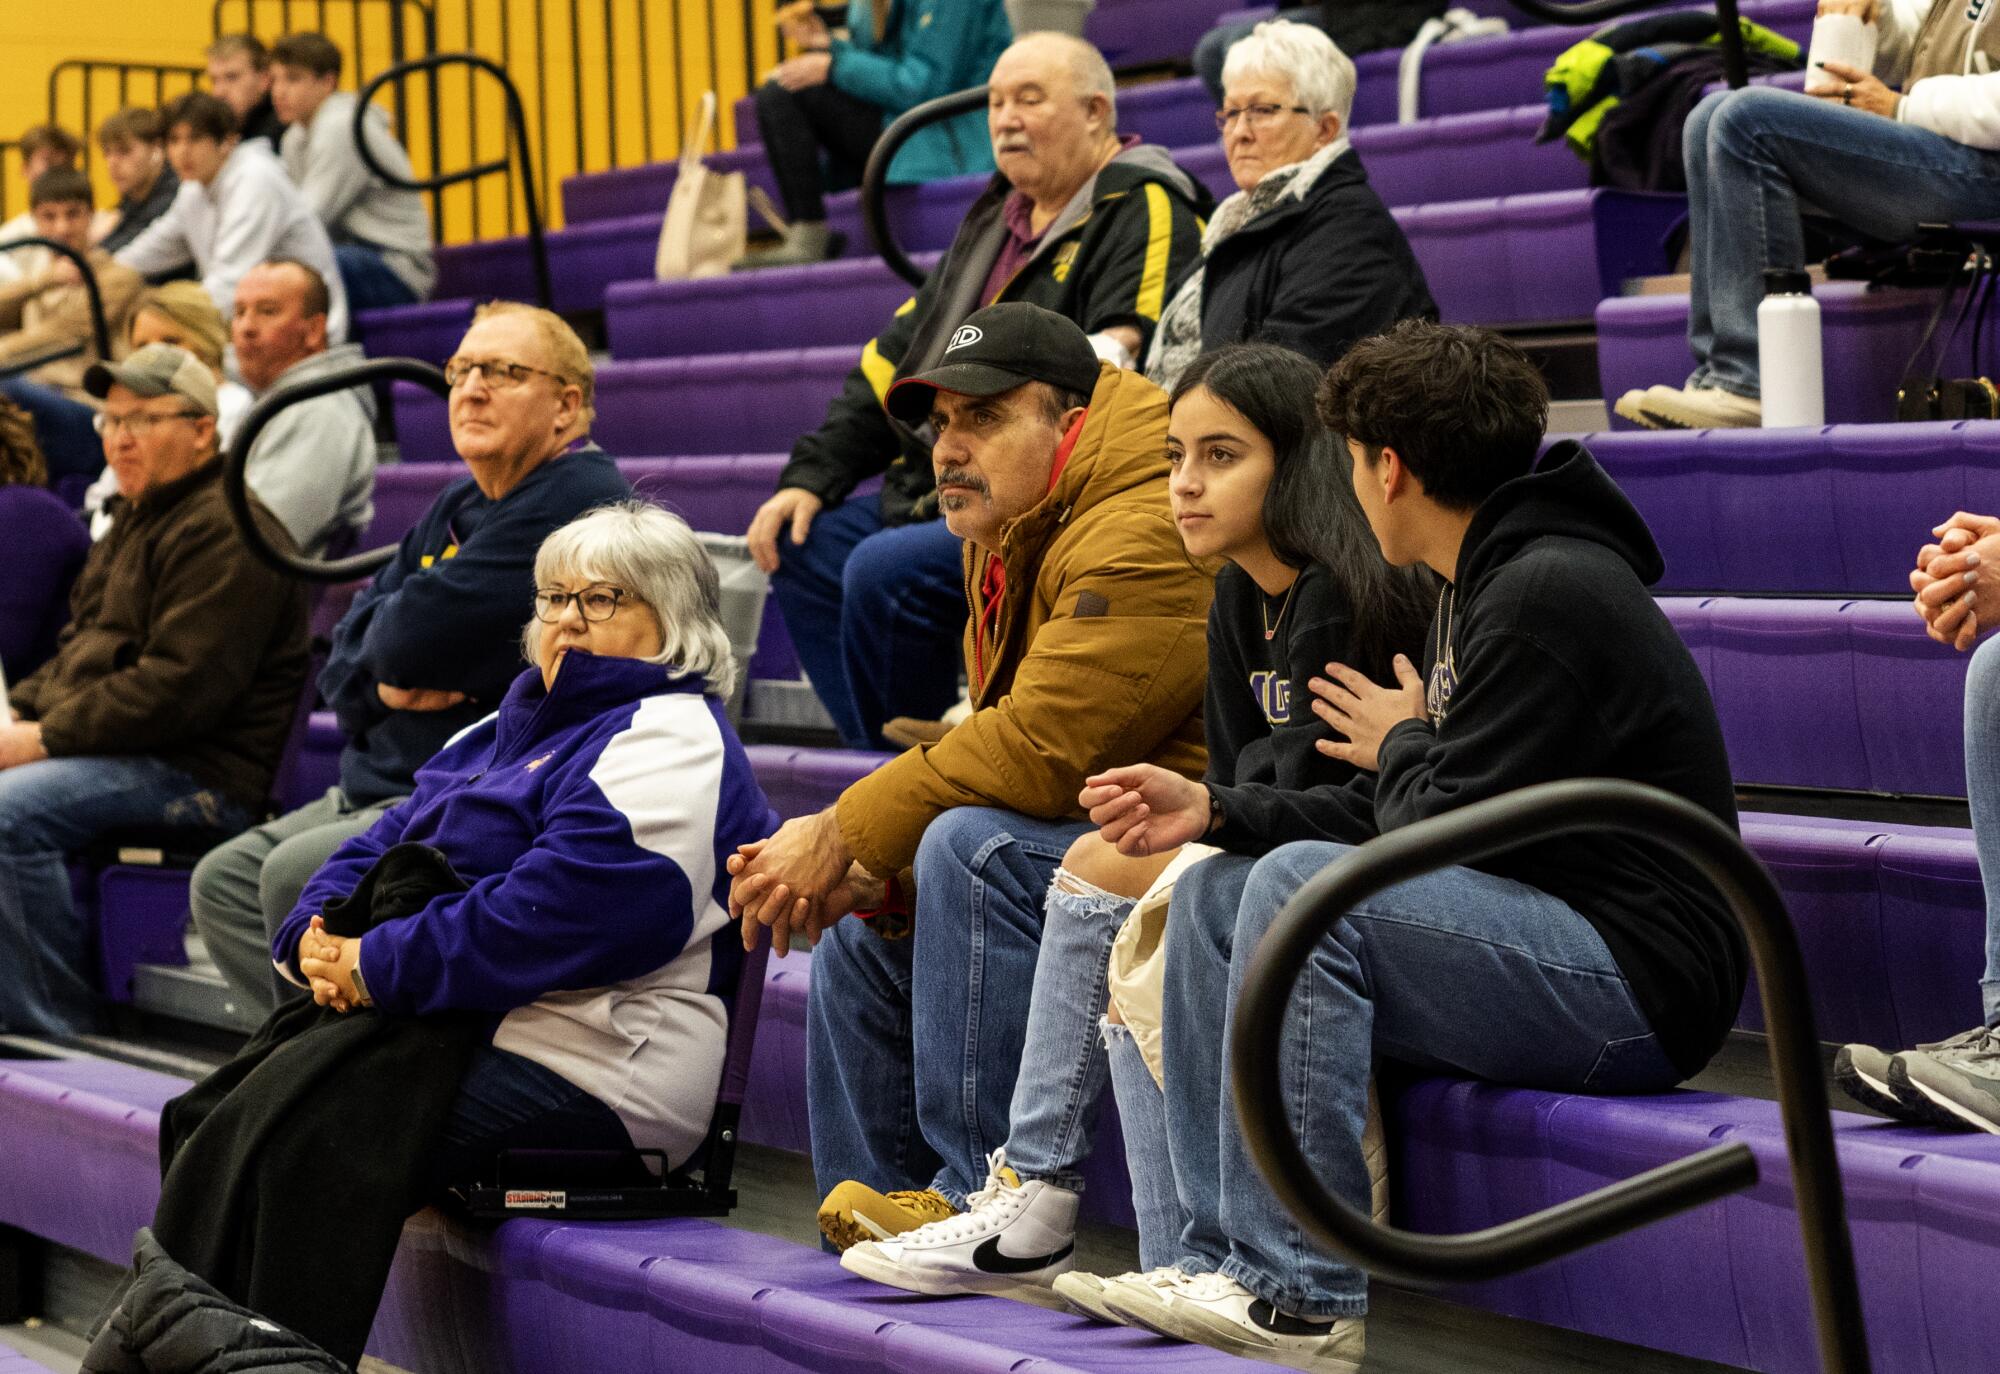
x,y
431,644
170,694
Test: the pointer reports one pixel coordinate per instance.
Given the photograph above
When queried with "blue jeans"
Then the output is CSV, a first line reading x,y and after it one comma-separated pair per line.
x,y
368,280
1055,1106
1756,156
877,614
509,1102
1214,46
66,429
912,1046
48,810
1982,790
1457,971
1149,1156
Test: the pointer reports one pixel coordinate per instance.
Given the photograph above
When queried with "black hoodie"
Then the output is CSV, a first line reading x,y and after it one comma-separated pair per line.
x,y
1565,668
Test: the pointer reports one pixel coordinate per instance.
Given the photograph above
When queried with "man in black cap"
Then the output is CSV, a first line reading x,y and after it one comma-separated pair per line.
x,y
1085,647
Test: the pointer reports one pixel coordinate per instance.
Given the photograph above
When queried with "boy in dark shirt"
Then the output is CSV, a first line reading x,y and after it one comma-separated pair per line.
x,y
1596,963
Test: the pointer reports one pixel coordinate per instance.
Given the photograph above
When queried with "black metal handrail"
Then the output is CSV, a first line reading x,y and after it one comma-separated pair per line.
x,y
1729,28
875,180
1480,831
236,489
88,68
398,51
517,119
100,328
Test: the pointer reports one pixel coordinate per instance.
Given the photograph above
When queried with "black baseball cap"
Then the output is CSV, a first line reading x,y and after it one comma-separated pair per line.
x,y
996,350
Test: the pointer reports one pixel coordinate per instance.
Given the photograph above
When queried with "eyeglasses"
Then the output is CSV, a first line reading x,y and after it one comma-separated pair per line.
x,y
499,374
140,422
1258,115
596,604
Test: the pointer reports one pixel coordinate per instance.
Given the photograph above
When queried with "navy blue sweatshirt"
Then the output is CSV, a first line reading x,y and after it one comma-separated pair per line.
x,y
447,614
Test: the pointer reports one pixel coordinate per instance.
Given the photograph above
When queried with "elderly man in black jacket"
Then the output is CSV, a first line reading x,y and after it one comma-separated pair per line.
x,y
172,689
1305,254
1079,221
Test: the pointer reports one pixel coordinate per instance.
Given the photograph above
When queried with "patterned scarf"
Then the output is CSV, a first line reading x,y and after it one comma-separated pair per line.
x,y
1177,339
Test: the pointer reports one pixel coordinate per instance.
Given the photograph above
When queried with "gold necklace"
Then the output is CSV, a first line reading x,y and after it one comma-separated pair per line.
x,y
1263,605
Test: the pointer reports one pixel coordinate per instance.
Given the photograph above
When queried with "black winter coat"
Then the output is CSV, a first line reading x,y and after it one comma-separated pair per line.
x,y
1315,275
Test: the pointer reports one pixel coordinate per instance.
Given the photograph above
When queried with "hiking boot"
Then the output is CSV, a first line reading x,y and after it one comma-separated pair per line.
x,y
854,1212
1220,1312
1013,1236
1960,1076
1690,407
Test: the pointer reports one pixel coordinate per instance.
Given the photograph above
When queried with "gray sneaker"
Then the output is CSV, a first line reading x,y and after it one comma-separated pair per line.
x,y
1862,1071
1960,1076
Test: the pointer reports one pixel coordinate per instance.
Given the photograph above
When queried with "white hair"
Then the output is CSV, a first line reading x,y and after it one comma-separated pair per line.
x,y
1321,75
655,557
1087,68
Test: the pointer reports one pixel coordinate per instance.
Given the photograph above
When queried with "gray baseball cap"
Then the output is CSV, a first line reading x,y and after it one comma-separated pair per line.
x,y
157,370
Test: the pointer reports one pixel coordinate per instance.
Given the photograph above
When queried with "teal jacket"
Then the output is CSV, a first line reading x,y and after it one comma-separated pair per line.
x,y
930,48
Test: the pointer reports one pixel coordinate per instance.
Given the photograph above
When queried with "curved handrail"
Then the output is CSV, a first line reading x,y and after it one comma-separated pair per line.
x,y
1479,831
100,328
236,490
517,119
875,180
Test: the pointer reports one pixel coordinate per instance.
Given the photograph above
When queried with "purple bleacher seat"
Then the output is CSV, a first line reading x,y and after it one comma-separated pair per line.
x,y
583,260
836,303
1689,617
1830,884
1909,693
644,189
1783,682
1142,33
1665,476
1867,338
1170,114
719,403
1933,931
142,915
720,492
1456,157
429,331
317,766
924,218
14,1362
799,782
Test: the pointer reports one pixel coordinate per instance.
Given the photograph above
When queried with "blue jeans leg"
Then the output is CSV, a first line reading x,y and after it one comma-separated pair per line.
x,y
1982,789
1142,1111
902,624
66,429
1055,1105
982,878
47,810
861,1096
808,585
1457,971
509,1102
1771,153
369,281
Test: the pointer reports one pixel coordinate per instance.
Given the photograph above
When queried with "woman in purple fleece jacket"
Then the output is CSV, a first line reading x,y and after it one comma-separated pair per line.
x,y
590,816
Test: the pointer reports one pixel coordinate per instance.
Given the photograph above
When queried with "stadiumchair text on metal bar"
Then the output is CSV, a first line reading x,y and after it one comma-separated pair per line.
x,y
517,121
1483,830
100,329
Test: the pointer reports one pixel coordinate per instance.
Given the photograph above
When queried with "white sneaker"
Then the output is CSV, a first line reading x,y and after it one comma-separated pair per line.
x,y
1690,407
1222,1313
1012,1237
1086,1293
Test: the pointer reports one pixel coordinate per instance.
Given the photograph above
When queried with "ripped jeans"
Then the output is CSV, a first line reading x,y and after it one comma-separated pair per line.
x,y
1063,1070
48,810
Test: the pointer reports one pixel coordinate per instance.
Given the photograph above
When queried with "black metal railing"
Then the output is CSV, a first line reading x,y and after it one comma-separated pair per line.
x,y
1481,831
9,151
236,459
875,179
150,84
361,48
100,328
517,119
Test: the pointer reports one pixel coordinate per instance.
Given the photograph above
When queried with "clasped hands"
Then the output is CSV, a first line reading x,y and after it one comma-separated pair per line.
x,y
798,882
1955,575
328,962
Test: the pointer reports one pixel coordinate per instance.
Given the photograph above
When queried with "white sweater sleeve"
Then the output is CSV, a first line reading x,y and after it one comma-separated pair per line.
x,y
248,229
161,246
1965,109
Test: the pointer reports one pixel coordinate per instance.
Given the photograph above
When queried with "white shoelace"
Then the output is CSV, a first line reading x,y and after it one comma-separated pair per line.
x,y
973,1219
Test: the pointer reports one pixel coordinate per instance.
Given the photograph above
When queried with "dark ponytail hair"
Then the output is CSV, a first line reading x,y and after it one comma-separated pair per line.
x,y
1310,512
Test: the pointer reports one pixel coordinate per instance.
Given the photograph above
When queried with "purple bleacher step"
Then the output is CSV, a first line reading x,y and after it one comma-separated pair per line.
x,y
832,303
645,189
1858,500
583,260
429,331
1866,340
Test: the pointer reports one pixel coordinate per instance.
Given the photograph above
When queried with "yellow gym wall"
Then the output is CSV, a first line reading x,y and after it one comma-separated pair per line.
x,y
604,83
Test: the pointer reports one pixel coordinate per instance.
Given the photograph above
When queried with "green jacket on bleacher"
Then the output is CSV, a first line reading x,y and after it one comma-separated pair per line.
x,y
1107,260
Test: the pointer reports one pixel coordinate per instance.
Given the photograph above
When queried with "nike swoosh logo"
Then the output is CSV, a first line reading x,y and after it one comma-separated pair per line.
x,y
988,1259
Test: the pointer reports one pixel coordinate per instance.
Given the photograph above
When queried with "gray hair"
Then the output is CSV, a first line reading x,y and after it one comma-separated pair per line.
x,y
655,557
1087,68
1321,75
